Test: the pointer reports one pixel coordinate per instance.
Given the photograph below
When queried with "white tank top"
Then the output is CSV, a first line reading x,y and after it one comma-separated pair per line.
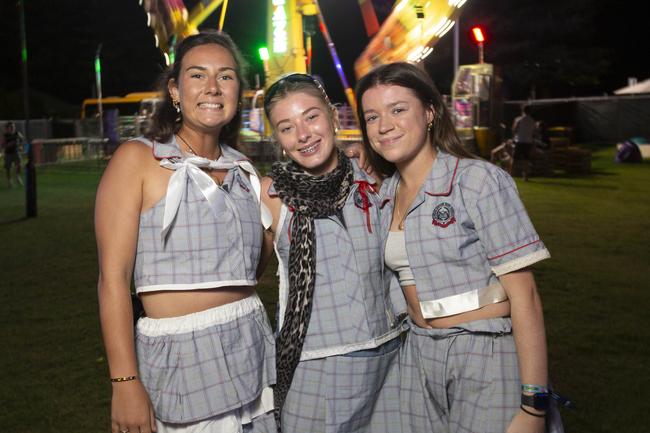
x,y
396,258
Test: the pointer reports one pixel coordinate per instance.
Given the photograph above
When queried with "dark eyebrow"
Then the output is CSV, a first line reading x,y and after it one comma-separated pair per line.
x,y
203,68
392,104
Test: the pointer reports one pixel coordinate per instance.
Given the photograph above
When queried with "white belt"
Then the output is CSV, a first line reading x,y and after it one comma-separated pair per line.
x,y
468,301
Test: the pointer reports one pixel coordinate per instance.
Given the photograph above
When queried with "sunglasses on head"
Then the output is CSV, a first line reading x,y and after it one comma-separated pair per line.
x,y
295,77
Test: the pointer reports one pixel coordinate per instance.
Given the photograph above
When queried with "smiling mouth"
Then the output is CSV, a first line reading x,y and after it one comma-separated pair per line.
x,y
389,141
309,149
211,105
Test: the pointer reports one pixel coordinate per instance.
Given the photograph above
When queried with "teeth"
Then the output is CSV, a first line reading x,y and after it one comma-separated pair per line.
x,y
309,149
209,105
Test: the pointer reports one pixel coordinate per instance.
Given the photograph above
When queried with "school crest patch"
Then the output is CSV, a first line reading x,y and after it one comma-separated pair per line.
x,y
443,215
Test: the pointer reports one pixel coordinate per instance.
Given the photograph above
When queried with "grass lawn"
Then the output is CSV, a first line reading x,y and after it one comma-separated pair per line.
x,y
54,374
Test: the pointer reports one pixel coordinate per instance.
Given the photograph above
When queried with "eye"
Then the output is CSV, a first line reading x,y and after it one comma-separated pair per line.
x,y
371,118
284,129
312,116
196,75
398,110
227,77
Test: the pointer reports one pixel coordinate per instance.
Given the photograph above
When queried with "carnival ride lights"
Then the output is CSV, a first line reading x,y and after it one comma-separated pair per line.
x,y
170,21
409,33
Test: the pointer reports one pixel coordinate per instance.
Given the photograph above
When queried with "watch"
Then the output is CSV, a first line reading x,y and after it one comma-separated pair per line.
x,y
539,401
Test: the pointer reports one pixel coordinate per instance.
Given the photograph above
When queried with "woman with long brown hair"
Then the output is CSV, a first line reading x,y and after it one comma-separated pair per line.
x,y
179,210
460,243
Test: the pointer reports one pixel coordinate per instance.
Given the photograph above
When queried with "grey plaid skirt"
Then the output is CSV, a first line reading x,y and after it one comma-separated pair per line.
x,y
462,379
208,363
353,393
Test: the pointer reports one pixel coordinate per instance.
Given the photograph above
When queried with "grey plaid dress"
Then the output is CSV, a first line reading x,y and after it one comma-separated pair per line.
x,y
465,227
223,360
347,379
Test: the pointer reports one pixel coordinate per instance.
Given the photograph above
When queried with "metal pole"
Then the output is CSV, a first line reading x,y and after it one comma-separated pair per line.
x,y
30,169
222,18
456,44
98,82
480,52
349,93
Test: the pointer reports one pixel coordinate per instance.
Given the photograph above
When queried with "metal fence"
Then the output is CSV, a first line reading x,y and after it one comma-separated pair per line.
x,y
61,150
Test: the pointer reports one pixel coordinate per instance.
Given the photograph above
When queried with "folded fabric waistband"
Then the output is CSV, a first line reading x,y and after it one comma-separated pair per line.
x,y
199,320
463,302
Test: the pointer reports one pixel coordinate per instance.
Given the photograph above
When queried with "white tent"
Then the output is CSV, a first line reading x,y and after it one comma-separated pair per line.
x,y
641,87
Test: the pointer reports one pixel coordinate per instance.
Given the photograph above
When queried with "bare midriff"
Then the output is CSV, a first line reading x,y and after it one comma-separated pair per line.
x,y
491,311
176,303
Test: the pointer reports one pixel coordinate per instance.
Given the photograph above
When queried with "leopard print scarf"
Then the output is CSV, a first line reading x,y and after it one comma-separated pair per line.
x,y
308,197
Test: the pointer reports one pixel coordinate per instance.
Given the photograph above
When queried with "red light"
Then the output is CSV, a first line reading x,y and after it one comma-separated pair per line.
x,y
478,34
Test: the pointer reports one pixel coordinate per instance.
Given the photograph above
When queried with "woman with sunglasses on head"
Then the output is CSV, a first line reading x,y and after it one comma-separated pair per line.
x,y
179,209
338,341
460,243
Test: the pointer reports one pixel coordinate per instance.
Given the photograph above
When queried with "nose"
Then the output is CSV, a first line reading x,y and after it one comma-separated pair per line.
x,y
384,124
212,86
303,131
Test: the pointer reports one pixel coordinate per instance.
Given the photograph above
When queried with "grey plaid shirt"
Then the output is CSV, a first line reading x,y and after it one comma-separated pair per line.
x,y
202,249
351,310
466,226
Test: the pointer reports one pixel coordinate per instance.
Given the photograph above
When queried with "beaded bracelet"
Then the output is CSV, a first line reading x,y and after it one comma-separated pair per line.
x,y
123,379
538,415
525,387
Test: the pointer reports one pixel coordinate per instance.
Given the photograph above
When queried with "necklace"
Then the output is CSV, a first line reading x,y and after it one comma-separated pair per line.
x,y
188,145
216,179
400,225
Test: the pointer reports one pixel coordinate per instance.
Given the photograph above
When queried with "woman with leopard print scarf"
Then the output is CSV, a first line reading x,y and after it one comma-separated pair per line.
x,y
338,341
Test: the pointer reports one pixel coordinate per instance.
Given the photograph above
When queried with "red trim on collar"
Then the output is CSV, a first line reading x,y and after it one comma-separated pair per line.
x,y
272,194
451,183
512,251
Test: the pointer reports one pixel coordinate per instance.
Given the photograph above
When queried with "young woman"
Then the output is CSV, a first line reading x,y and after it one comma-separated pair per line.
x,y
179,211
338,340
460,242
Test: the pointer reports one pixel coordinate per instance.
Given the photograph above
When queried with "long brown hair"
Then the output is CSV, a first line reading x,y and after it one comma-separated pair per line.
x,y
443,133
166,121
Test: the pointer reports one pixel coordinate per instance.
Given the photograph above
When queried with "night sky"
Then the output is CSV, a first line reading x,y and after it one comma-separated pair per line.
x,y
63,36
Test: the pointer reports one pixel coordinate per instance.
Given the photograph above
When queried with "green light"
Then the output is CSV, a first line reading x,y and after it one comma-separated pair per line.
x,y
98,65
264,53
24,54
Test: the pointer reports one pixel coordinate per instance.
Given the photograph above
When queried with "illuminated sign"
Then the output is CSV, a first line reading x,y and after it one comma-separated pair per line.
x,y
279,21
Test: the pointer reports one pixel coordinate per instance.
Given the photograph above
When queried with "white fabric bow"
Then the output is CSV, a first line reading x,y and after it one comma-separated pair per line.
x,y
192,167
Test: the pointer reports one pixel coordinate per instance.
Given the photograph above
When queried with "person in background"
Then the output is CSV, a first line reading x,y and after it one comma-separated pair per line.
x,y
180,211
523,134
12,141
461,244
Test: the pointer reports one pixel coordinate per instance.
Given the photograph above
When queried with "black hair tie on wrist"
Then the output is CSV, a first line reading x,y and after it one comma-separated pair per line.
x,y
538,415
